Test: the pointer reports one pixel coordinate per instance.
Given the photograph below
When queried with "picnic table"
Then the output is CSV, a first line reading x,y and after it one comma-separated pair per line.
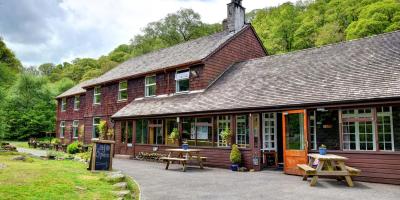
x,y
183,156
328,165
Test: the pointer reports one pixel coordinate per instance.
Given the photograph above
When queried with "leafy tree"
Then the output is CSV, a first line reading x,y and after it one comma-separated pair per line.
x,y
46,68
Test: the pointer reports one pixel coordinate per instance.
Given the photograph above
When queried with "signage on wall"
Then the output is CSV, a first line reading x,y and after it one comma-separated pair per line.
x,y
101,157
182,75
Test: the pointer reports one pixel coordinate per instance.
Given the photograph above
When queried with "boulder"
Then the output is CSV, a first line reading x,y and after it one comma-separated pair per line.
x,y
115,178
122,193
121,185
23,158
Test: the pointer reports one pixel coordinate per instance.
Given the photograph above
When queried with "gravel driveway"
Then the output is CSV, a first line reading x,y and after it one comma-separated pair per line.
x,y
212,183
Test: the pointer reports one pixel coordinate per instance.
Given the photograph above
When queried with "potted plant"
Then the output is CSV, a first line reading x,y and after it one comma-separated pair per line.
x,y
226,135
235,157
185,145
322,150
174,135
103,129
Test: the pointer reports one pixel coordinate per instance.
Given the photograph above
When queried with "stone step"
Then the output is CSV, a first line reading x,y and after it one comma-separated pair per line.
x,y
122,193
115,178
121,185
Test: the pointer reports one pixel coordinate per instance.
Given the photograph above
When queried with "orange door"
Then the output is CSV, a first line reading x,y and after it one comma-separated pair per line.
x,y
295,143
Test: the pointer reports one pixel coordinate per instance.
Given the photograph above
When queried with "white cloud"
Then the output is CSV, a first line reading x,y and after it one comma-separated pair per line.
x,y
68,29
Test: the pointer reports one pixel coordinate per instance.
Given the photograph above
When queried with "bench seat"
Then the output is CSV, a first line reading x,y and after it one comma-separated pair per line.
x,y
201,157
353,171
307,169
173,159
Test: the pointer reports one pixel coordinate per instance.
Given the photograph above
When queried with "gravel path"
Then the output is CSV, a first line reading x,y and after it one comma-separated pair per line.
x,y
35,152
211,183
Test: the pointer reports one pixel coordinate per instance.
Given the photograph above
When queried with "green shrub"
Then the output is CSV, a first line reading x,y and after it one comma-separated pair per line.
x,y
226,135
235,157
174,135
74,147
56,141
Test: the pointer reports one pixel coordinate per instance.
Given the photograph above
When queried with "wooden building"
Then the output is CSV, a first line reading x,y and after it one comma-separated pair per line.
x,y
345,96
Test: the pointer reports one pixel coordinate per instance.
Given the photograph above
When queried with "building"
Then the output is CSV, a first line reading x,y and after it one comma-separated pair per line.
x,y
345,96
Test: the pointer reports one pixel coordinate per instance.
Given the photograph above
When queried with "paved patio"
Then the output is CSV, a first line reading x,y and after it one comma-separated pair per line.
x,y
211,183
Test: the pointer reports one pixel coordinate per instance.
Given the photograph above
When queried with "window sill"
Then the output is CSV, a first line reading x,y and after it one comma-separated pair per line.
x,y
122,101
96,104
76,109
152,96
61,137
190,147
183,92
358,152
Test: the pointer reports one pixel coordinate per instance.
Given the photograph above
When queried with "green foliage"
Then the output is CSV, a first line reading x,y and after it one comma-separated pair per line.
x,y
74,147
174,135
226,135
103,127
235,156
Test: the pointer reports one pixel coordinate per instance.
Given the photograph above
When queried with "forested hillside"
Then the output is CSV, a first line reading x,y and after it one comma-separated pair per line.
x,y
27,103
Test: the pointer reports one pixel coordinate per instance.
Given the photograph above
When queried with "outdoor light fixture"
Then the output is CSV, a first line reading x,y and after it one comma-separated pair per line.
x,y
321,110
194,73
177,119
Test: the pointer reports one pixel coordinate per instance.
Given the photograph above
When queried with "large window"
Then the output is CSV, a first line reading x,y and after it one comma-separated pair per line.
x,y
122,91
269,131
150,86
75,128
170,125
63,104
62,129
156,131
141,131
77,102
197,131
95,127
385,128
129,134
256,128
358,129
224,122
312,128
242,130
182,80
97,95
123,132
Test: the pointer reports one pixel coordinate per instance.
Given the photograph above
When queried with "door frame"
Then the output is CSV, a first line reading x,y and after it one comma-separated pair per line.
x,y
302,154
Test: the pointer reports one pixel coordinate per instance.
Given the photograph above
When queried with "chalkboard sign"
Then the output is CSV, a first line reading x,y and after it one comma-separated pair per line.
x,y
101,158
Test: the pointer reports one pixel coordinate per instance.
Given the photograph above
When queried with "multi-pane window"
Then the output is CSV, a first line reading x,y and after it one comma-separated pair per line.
x,y
358,129
95,128
156,131
62,129
256,128
77,102
242,131
97,95
182,80
202,131
123,132
269,131
224,122
122,91
63,104
129,134
385,128
141,131
150,86
312,128
75,128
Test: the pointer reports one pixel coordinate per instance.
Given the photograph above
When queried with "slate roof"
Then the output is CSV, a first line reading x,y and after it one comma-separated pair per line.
x,y
363,69
187,52
77,89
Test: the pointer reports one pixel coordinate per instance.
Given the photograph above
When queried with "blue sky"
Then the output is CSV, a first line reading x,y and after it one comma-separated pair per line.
x,y
41,31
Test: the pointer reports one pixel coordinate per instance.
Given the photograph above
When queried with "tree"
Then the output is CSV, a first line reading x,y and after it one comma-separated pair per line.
x,y
46,69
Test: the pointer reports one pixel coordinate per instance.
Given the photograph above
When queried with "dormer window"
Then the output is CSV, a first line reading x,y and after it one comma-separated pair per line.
x,y
123,91
77,102
150,86
97,95
182,80
63,104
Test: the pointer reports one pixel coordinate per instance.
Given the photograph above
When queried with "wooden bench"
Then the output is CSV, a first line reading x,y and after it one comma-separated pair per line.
x,y
353,171
170,159
308,171
201,157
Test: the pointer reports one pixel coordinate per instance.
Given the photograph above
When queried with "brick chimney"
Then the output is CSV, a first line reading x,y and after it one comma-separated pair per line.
x,y
236,16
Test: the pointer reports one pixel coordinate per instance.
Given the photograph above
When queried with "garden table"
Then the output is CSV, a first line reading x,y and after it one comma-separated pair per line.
x,y
183,156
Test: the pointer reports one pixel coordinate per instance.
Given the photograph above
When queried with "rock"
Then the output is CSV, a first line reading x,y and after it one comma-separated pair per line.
x,y
23,158
120,185
122,193
114,178
2,166
80,188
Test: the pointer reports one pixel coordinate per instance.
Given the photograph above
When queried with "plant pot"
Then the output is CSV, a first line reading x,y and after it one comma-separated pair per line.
x,y
322,151
185,146
51,157
234,167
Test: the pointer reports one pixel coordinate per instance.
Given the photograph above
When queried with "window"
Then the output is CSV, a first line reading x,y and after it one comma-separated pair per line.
x,y
129,134
123,91
242,131
269,131
63,104
75,128
197,131
358,129
312,128
141,131
189,131
95,129
123,132
182,80
156,132
223,123
97,95
324,129
150,86
62,129
256,128
385,128
170,125
77,102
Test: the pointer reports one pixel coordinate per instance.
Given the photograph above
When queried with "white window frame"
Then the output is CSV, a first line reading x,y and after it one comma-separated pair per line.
x,y
120,90
357,127
63,104
313,129
62,129
94,126
147,86
225,120
76,106
246,142
274,133
75,128
177,79
96,94
380,113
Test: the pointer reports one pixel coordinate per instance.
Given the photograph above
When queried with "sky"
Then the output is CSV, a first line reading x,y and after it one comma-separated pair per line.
x,y
56,31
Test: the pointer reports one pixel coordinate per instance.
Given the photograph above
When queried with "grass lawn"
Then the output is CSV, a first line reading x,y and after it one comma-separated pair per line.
x,y
50,179
19,144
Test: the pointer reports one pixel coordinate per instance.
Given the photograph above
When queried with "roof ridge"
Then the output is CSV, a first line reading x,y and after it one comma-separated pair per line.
x,y
324,46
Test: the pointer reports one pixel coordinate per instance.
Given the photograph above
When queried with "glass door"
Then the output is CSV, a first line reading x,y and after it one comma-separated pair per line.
x,y
294,140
